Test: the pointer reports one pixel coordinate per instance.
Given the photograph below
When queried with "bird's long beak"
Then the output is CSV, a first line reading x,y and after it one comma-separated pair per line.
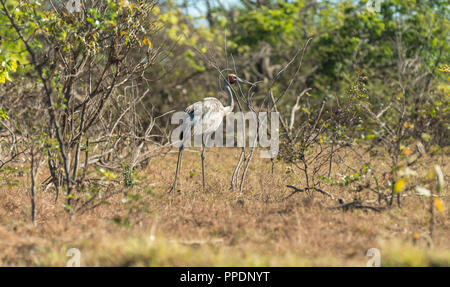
x,y
244,82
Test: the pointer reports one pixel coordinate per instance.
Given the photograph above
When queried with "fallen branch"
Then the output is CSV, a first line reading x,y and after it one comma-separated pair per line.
x,y
296,189
354,205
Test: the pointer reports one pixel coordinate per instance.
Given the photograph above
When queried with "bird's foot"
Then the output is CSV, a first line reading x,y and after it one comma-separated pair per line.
x,y
172,188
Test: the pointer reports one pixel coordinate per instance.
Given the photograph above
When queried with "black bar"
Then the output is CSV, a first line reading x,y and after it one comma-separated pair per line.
x,y
218,276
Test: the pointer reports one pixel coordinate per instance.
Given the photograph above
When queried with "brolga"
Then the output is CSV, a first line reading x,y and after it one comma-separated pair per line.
x,y
206,116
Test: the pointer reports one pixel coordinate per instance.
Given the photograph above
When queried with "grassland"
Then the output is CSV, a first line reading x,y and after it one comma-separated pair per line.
x,y
145,226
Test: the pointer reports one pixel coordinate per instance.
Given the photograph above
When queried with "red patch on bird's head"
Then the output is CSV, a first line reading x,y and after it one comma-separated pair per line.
x,y
232,78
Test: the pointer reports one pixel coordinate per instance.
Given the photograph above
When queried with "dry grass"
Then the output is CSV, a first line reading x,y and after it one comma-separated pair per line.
x,y
219,227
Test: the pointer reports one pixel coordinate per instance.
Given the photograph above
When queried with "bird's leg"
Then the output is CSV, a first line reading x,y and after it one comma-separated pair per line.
x,y
203,167
174,185
205,143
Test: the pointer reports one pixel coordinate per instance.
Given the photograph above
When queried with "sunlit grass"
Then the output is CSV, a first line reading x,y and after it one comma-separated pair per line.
x,y
219,227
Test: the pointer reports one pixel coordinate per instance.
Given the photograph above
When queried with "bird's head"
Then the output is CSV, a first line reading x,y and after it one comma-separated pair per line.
x,y
232,79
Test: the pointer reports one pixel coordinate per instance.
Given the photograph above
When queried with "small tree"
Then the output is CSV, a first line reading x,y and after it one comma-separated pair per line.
x,y
80,61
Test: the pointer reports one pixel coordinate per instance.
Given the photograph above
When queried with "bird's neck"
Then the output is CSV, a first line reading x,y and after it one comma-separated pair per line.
x,y
229,107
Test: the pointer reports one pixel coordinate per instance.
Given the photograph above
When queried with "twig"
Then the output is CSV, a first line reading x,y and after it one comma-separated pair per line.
x,y
296,189
354,205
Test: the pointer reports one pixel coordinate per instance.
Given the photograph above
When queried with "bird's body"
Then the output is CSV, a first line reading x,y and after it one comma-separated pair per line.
x,y
205,117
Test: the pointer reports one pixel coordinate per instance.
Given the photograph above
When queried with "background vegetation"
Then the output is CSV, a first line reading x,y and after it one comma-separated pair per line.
x,y
85,105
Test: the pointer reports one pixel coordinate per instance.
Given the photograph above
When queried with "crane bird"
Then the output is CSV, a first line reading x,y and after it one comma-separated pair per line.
x,y
206,117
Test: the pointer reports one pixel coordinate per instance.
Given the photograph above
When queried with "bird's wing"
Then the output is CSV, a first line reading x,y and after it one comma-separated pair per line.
x,y
203,107
204,115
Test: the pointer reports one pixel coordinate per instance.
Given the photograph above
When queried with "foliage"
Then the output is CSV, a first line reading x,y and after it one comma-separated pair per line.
x,y
91,86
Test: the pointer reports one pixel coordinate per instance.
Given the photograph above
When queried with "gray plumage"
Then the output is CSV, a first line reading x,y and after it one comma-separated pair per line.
x,y
205,117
